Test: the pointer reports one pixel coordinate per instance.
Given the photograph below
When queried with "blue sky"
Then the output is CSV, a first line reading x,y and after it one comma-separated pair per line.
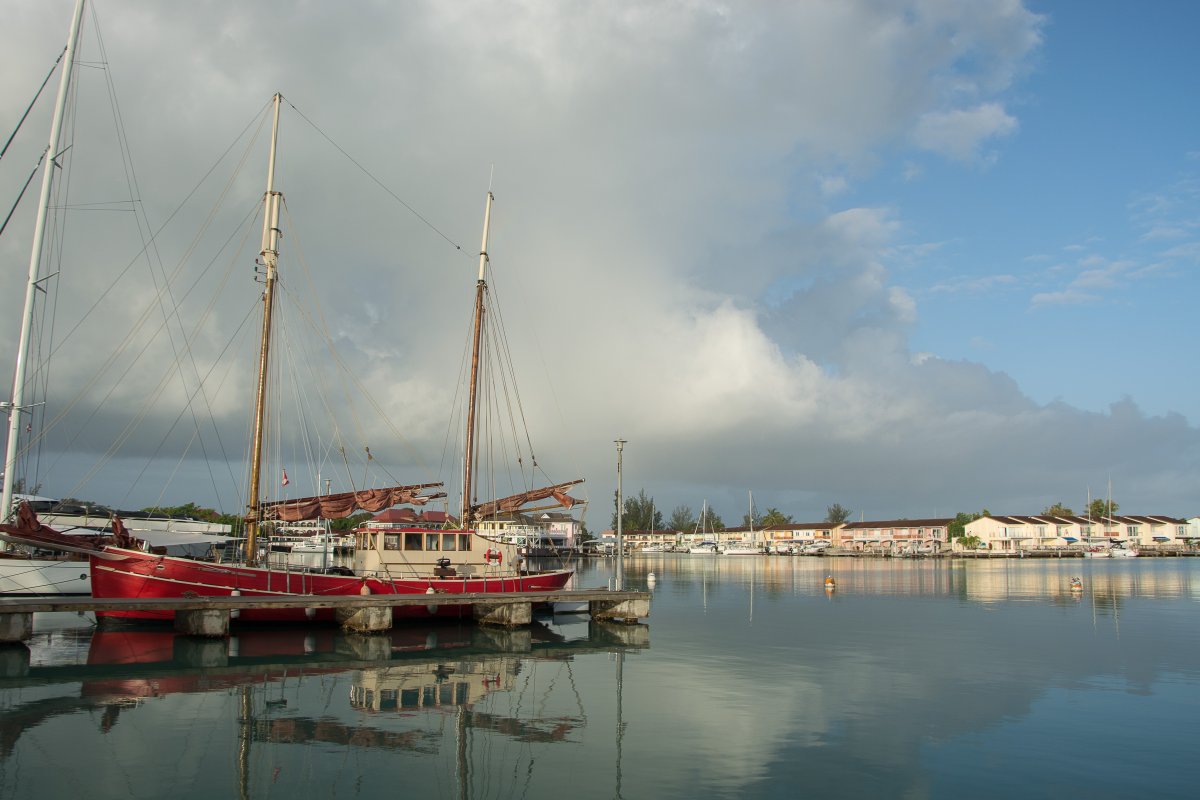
x,y
1104,154
912,258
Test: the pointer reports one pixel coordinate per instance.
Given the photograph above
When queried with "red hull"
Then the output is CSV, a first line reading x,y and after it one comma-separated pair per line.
x,y
123,573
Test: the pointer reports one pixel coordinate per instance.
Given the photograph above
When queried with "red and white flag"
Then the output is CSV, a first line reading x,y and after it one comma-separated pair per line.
x,y
285,480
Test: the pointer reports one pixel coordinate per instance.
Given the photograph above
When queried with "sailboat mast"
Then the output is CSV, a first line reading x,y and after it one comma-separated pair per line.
x,y
16,407
269,259
476,344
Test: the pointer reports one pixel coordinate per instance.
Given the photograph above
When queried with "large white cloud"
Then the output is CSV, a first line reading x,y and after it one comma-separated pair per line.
x,y
670,265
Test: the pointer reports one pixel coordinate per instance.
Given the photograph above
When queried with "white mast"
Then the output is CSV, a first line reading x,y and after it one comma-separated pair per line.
x,y
17,406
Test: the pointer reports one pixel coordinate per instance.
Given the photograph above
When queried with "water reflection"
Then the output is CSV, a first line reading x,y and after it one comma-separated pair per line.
x,y
978,580
913,678
314,688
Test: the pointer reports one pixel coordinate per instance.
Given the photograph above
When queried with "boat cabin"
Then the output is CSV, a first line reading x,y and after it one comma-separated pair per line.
x,y
448,553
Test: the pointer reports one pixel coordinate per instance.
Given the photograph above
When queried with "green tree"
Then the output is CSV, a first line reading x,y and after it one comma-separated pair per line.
x,y
774,517
351,522
969,542
958,528
756,523
640,514
1099,509
190,510
682,519
1057,510
19,487
837,514
710,520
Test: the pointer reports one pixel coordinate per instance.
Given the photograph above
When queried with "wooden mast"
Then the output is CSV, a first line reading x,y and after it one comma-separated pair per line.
x,y
16,407
476,343
268,259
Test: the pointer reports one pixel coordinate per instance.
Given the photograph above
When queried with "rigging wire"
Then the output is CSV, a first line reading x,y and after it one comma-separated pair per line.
x,y
140,323
376,180
21,194
33,102
320,326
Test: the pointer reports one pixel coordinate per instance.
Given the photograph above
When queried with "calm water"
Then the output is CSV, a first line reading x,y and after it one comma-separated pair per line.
x,y
913,679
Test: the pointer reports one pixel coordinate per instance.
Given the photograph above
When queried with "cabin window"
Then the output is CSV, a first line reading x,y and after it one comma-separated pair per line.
x,y
412,541
391,542
464,541
450,541
431,541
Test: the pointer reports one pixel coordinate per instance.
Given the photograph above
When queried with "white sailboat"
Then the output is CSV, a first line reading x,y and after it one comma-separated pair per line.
x,y
23,571
701,544
746,548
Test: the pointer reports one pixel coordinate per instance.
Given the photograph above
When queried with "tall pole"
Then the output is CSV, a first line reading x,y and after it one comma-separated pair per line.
x,y
620,585
16,408
477,337
269,258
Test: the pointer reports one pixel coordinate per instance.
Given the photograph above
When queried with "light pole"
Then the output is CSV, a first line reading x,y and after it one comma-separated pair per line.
x,y
620,515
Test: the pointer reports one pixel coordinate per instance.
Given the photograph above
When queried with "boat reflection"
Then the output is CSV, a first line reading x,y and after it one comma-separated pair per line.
x,y
411,673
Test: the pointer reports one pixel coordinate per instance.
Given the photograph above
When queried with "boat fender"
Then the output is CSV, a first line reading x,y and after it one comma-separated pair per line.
x,y
431,609
365,588
493,555
234,613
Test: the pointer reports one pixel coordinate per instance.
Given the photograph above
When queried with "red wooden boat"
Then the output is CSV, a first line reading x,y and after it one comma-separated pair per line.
x,y
393,561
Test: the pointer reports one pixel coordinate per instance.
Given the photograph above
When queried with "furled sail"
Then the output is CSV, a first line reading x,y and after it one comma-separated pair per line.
x,y
343,504
514,502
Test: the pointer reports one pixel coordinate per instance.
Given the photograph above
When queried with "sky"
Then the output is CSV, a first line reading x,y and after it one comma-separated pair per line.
x,y
913,258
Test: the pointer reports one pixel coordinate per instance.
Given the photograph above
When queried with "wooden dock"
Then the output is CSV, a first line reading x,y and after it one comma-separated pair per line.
x,y
210,616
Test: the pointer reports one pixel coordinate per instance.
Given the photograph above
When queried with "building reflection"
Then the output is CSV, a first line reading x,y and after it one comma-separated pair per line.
x,y
978,580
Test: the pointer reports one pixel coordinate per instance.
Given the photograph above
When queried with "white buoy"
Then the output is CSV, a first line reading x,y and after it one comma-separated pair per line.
x,y
431,609
651,580
310,613
235,612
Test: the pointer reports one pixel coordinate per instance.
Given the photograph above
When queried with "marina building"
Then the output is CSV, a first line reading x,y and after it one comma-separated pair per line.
x,y
1012,533
895,536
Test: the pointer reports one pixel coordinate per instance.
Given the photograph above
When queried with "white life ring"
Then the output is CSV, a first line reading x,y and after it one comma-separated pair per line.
x,y
493,555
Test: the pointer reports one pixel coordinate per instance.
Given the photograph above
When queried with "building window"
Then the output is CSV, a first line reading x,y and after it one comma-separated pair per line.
x,y
1132,530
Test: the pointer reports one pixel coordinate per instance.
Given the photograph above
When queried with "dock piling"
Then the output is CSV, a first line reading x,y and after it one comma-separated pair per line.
x,y
16,627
